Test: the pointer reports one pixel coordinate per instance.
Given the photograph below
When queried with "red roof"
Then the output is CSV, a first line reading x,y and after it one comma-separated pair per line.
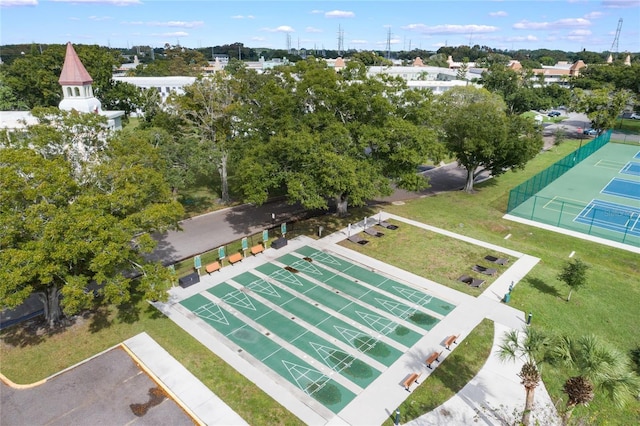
x,y
73,72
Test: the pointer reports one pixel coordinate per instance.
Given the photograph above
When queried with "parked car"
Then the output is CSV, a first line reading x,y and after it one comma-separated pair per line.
x,y
635,116
554,114
590,132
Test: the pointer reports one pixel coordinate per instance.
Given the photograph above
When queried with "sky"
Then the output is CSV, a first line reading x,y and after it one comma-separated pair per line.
x,y
569,25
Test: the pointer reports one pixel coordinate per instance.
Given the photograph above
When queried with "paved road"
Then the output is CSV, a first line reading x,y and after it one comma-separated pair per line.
x,y
206,232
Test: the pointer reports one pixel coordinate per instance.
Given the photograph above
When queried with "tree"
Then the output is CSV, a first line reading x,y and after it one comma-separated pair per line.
x,y
602,106
321,135
479,133
120,96
599,368
574,274
207,109
73,220
525,346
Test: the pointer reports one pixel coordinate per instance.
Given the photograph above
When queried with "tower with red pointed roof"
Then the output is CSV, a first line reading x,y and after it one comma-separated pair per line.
x,y
76,85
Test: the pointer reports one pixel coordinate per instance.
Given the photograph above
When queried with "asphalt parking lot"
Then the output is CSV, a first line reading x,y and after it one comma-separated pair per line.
x,y
101,391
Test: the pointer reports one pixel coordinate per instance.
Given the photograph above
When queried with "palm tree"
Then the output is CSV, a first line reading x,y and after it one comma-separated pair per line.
x,y
525,346
599,368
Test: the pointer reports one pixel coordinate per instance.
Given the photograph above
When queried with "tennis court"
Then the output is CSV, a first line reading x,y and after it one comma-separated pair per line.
x,y
623,188
599,196
323,323
631,168
612,216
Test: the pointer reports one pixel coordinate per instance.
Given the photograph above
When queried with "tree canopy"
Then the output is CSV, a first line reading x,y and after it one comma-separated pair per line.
x,y
324,135
75,215
480,134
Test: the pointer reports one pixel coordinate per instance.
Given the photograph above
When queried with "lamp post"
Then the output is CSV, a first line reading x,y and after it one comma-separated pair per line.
x,y
397,421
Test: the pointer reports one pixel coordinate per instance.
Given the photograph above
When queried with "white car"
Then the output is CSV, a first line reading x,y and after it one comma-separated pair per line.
x,y
635,116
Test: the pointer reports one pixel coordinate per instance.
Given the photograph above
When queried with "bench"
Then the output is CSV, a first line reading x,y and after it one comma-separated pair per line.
x,y
234,258
212,267
410,380
432,358
450,340
257,249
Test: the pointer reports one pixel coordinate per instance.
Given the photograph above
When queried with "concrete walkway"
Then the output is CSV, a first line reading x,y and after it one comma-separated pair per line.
x,y
189,392
494,396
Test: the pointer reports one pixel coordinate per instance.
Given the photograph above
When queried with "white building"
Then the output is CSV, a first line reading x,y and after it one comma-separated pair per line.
x,y
164,85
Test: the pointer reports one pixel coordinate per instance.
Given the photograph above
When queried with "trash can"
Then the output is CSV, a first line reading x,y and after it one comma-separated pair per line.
x,y
507,297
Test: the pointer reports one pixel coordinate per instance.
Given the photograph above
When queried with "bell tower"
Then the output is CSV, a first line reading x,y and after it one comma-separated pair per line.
x,y
76,85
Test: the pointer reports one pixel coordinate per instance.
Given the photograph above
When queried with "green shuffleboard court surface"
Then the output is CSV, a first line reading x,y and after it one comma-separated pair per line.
x,y
324,324
412,295
331,394
336,302
290,330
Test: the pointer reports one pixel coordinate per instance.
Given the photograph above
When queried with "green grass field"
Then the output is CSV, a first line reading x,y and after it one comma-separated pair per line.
x,y
607,306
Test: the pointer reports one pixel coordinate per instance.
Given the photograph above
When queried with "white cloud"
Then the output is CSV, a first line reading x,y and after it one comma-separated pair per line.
x,y
258,38
339,14
499,13
522,38
13,3
593,15
99,18
173,34
243,17
112,2
580,33
316,12
620,4
73,18
280,29
359,42
560,23
450,29
177,24
313,30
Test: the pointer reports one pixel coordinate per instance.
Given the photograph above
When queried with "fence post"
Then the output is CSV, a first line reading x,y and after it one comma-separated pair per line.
x,y
561,210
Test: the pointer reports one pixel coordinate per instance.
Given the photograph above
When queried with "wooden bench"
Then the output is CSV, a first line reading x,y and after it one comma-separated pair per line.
x,y
257,249
234,258
410,380
432,358
450,340
212,267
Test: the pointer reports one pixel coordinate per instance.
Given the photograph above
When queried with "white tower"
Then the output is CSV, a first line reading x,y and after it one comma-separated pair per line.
x,y
76,85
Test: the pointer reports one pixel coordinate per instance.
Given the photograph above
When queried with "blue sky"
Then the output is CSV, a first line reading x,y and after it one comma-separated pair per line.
x,y
569,25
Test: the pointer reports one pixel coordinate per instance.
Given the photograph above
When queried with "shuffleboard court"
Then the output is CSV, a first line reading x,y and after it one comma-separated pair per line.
x,y
631,168
623,188
336,302
331,394
289,329
611,216
358,272
361,292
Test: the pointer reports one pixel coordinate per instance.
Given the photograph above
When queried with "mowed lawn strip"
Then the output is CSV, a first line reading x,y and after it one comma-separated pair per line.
x,y
449,376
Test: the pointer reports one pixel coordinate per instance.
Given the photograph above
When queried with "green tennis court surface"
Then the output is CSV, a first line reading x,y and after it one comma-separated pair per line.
x,y
326,325
597,197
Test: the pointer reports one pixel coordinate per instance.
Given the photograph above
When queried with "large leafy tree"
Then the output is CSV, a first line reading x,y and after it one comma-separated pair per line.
x,y
481,136
528,347
334,136
602,106
76,212
207,111
599,368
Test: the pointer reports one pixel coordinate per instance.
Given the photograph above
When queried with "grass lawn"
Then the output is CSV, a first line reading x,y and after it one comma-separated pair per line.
x,y
607,306
627,125
453,374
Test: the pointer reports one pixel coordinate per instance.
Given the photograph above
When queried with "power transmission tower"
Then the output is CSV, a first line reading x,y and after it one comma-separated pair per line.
x,y
389,43
340,40
288,43
616,40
